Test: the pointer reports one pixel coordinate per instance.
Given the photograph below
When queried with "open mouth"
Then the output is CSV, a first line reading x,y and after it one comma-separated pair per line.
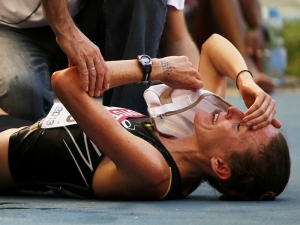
x,y
215,115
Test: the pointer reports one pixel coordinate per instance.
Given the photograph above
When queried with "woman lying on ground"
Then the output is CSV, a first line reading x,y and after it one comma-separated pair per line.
x,y
242,155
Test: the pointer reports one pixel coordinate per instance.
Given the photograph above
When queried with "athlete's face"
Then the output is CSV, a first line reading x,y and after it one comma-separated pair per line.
x,y
225,131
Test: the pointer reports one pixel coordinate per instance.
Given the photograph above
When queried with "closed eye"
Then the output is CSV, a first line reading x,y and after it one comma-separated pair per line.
x,y
238,126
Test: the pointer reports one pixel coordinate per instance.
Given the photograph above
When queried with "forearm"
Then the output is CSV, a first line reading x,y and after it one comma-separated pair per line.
x,y
58,16
123,72
174,71
129,71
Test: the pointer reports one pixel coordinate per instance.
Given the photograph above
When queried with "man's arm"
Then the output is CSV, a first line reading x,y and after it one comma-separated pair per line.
x,y
176,39
79,49
175,71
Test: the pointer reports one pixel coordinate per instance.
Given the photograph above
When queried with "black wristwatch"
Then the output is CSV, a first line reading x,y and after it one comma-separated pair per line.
x,y
146,63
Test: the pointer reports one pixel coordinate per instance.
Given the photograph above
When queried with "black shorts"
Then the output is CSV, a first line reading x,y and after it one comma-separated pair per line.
x,y
62,159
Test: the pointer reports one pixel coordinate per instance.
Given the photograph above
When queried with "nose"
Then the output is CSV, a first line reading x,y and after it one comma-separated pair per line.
x,y
233,112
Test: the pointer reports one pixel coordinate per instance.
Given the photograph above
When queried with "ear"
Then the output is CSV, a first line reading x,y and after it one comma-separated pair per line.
x,y
220,167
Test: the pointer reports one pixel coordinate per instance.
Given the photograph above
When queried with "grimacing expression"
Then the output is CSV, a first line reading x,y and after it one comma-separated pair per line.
x,y
226,131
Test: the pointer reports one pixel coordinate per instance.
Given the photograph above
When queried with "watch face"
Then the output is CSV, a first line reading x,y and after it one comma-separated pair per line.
x,y
145,59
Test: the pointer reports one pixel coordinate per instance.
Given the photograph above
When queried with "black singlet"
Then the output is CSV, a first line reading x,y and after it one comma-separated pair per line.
x,y
63,159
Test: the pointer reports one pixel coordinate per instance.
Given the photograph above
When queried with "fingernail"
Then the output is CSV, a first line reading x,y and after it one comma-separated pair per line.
x,y
107,86
248,124
98,93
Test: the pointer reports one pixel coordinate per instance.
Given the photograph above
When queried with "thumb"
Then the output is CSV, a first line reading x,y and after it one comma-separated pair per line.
x,y
276,123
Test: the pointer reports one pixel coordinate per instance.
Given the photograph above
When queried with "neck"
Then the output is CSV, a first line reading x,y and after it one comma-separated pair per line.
x,y
187,155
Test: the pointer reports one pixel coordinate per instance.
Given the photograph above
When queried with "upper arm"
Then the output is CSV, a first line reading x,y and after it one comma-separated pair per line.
x,y
111,182
212,79
219,59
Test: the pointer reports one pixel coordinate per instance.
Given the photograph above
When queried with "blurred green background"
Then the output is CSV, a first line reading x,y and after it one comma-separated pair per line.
x,y
291,35
290,12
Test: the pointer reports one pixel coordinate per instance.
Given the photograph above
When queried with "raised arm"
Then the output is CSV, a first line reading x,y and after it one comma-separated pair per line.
x,y
219,60
79,49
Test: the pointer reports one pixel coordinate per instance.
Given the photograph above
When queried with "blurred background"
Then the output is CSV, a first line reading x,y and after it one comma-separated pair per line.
x,y
289,11
272,46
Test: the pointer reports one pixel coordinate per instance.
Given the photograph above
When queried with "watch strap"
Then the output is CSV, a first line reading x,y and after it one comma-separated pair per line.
x,y
146,67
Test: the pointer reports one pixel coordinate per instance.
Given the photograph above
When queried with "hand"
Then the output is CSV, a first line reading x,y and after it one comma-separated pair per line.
x,y
85,55
261,107
178,73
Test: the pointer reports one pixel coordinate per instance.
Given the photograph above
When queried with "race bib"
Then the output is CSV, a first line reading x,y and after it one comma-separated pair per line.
x,y
59,116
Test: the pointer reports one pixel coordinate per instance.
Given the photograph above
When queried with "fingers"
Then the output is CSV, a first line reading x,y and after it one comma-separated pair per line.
x,y
178,72
94,76
84,75
194,88
194,81
90,64
276,123
102,82
261,113
197,84
106,79
188,82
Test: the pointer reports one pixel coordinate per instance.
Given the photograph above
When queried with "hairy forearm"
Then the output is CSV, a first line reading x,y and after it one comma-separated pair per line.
x,y
121,72
129,71
175,71
58,16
